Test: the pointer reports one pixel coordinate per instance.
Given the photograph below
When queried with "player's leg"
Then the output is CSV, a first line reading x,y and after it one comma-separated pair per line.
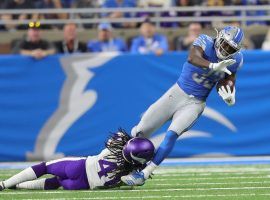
x,y
77,184
158,113
64,168
27,174
40,184
71,172
182,120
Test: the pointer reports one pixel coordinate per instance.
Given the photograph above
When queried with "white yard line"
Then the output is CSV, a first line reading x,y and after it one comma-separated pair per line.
x,y
158,197
212,183
135,190
210,170
209,174
210,178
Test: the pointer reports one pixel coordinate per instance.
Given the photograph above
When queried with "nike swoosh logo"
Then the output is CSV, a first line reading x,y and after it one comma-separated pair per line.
x,y
140,160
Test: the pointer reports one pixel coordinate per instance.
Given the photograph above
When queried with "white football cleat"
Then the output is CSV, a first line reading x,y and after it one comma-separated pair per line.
x,y
135,178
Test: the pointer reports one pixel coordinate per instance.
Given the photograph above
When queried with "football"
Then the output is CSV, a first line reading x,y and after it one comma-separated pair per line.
x,y
226,81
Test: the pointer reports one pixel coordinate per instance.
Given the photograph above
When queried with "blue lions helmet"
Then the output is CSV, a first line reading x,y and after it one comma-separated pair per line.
x,y
229,41
138,151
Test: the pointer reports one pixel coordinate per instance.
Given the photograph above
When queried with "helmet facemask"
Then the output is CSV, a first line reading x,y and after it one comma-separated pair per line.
x,y
225,48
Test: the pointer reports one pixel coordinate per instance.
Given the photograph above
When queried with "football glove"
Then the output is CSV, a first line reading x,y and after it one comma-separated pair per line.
x,y
227,95
222,66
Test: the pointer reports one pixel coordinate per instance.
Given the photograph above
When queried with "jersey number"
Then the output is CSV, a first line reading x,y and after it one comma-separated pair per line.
x,y
202,80
106,167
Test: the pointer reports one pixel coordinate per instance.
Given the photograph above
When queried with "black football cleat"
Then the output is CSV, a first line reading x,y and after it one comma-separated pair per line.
x,y
2,187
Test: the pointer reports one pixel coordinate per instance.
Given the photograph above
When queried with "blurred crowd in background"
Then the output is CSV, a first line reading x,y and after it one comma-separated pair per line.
x,y
148,40
41,4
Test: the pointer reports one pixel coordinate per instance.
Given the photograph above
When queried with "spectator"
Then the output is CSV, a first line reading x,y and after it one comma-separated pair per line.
x,y
106,42
155,3
70,44
149,41
184,3
158,3
68,3
17,4
212,3
33,45
184,43
115,15
50,4
254,13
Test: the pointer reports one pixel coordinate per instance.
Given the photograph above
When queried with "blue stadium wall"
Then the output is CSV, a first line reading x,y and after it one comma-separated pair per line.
x,y
68,105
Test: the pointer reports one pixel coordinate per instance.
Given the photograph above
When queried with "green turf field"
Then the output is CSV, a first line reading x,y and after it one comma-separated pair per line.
x,y
184,182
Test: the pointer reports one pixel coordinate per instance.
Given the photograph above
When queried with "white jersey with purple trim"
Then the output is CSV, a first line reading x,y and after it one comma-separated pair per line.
x,y
98,170
197,81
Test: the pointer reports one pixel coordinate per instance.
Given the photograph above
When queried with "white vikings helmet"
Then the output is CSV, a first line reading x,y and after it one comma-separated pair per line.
x,y
228,42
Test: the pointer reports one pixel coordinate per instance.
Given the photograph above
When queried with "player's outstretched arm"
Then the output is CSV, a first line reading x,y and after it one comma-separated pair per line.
x,y
195,57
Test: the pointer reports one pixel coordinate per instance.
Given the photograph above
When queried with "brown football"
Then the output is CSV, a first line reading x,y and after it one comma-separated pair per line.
x,y
230,81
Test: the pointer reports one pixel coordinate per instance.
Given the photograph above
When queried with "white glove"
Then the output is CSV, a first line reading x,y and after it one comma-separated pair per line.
x,y
222,66
227,95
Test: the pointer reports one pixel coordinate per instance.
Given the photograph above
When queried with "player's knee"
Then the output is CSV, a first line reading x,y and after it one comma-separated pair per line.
x,y
40,169
51,183
134,131
69,184
138,132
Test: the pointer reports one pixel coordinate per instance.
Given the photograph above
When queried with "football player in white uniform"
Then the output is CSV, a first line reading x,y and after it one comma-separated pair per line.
x,y
121,156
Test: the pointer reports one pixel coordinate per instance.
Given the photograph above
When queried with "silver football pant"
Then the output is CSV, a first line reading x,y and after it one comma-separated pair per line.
x,y
175,105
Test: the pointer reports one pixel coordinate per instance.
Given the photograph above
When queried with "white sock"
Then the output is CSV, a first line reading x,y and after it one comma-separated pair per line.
x,y
27,174
148,170
32,185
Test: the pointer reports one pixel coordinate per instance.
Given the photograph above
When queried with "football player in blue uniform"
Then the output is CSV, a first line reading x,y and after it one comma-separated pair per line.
x,y
209,60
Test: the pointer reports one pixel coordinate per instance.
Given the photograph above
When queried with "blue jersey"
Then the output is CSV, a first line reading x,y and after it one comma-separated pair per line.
x,y
198,81
115,44
144,46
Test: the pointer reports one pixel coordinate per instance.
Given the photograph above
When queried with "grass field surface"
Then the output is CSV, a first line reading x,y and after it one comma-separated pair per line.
x,y
230,182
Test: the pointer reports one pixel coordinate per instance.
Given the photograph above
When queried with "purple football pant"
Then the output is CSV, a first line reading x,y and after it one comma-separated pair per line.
x,y
70,173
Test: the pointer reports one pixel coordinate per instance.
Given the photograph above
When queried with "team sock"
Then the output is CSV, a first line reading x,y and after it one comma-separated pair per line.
x,y
25,175
164,149
38,184
148,170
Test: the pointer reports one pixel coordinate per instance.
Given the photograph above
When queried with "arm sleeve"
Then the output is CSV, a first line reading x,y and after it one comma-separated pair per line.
x,y
201,41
